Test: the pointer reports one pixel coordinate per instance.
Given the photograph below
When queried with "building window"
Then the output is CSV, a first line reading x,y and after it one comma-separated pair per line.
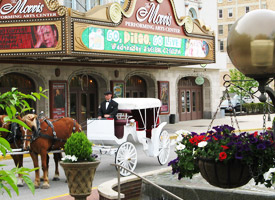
x,y
219,1
221,45
220,29
220,13
230,12
229,0
247,9
229,27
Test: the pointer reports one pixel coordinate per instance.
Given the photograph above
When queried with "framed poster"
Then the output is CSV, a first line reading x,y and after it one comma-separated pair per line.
x,y
118,89
58,99
163,90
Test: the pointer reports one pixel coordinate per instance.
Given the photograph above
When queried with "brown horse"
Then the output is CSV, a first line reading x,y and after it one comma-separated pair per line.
x,y
47,135
14,137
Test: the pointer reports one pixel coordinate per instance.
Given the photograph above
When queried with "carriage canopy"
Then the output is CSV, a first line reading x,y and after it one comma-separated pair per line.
x,y
137,103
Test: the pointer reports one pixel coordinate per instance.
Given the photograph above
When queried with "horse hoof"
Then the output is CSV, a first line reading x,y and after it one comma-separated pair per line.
x,y
36,186
45,186
56,179
41,179
20,183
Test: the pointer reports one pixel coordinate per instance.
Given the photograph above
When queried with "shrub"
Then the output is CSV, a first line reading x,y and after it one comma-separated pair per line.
x,y
261,107
247,107
253,107
79,146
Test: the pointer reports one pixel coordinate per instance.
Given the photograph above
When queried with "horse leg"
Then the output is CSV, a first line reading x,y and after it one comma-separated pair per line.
x,y
44,156
57,158
48,160
18,161
35,165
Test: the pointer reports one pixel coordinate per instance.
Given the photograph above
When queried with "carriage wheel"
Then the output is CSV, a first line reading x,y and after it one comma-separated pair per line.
x,y
164,148
126,156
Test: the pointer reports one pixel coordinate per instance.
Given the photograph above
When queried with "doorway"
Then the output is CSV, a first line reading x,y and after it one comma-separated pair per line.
x,y
83,98
136,87
22,82
190,99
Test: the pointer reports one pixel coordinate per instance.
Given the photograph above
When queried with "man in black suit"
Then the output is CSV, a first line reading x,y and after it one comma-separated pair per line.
x,y
108,108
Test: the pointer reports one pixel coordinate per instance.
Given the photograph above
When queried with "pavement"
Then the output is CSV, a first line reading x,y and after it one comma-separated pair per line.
x,y
246,123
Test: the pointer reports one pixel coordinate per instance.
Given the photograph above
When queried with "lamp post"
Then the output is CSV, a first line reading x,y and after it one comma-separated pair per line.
x,y
250,46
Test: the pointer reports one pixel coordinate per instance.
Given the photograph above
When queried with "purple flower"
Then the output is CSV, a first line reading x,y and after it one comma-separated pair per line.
x,y
239,155
261,146
253,140
175,161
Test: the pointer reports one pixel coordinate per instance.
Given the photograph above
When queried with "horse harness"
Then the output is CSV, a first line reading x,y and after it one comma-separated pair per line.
x,y
54,138
14,134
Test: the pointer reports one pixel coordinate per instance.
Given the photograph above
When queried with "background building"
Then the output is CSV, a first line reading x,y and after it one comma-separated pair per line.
x,y
78,69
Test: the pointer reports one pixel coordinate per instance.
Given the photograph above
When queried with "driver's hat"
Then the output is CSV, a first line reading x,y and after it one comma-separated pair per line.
x,y
107,93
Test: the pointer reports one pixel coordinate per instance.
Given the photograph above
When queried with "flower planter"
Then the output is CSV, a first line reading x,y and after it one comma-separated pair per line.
x,y
224,175
80,176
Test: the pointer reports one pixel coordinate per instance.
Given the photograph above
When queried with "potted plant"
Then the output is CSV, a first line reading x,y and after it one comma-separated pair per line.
x,y
225,159
79,165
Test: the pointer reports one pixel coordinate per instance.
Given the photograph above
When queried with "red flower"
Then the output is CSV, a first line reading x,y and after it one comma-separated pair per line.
x,y
224,147
255,134
193,140
215,138
222,156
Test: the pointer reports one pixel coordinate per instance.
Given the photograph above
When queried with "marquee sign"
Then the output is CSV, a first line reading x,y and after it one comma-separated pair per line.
x,y
154,16
30,37
111,40
26,9
148,27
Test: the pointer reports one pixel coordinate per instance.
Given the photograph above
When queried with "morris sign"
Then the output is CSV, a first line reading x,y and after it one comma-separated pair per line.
x,y
24,9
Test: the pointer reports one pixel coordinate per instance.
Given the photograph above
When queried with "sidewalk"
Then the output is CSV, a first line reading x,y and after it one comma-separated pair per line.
x,y
246,123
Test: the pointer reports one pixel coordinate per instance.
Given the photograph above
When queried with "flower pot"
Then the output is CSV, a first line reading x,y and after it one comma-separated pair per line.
x,y
224,175
80,176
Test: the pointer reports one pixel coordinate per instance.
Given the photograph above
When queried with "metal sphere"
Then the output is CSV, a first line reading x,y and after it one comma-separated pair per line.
x,y
250,44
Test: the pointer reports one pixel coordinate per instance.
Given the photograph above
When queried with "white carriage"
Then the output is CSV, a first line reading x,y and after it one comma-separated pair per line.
x,y
137,122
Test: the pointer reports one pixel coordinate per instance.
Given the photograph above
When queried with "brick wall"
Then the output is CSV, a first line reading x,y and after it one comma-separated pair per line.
x,y
131,190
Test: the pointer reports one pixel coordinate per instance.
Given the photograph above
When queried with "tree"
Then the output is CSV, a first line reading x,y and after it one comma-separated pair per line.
x,y
13,103
243,82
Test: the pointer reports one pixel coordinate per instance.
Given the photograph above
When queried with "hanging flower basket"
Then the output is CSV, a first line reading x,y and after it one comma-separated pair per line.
x,y
224,158
224,175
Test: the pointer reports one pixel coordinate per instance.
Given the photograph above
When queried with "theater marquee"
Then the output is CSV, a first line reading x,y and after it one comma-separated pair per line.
x,y
148,28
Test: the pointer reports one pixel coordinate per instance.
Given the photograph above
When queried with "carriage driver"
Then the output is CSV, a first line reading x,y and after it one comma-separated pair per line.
x,y
108,108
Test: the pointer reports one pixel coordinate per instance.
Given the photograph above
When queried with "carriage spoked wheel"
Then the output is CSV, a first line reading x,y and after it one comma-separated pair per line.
x,y
164,147
126,156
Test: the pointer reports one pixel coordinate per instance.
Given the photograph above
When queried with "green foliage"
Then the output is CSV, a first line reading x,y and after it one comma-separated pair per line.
x,y
247,107
78,145
14,102
243,83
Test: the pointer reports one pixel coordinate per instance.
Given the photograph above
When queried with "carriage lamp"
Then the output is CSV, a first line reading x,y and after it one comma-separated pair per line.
x,y
250,46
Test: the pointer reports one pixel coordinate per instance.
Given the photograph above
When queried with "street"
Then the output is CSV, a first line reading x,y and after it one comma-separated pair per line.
x,y
104,173
107,172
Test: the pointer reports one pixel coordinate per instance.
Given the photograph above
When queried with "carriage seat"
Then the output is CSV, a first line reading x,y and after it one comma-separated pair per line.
x,y
120,122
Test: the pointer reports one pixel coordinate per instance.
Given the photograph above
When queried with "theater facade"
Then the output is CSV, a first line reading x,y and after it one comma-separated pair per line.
x,y
139,49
